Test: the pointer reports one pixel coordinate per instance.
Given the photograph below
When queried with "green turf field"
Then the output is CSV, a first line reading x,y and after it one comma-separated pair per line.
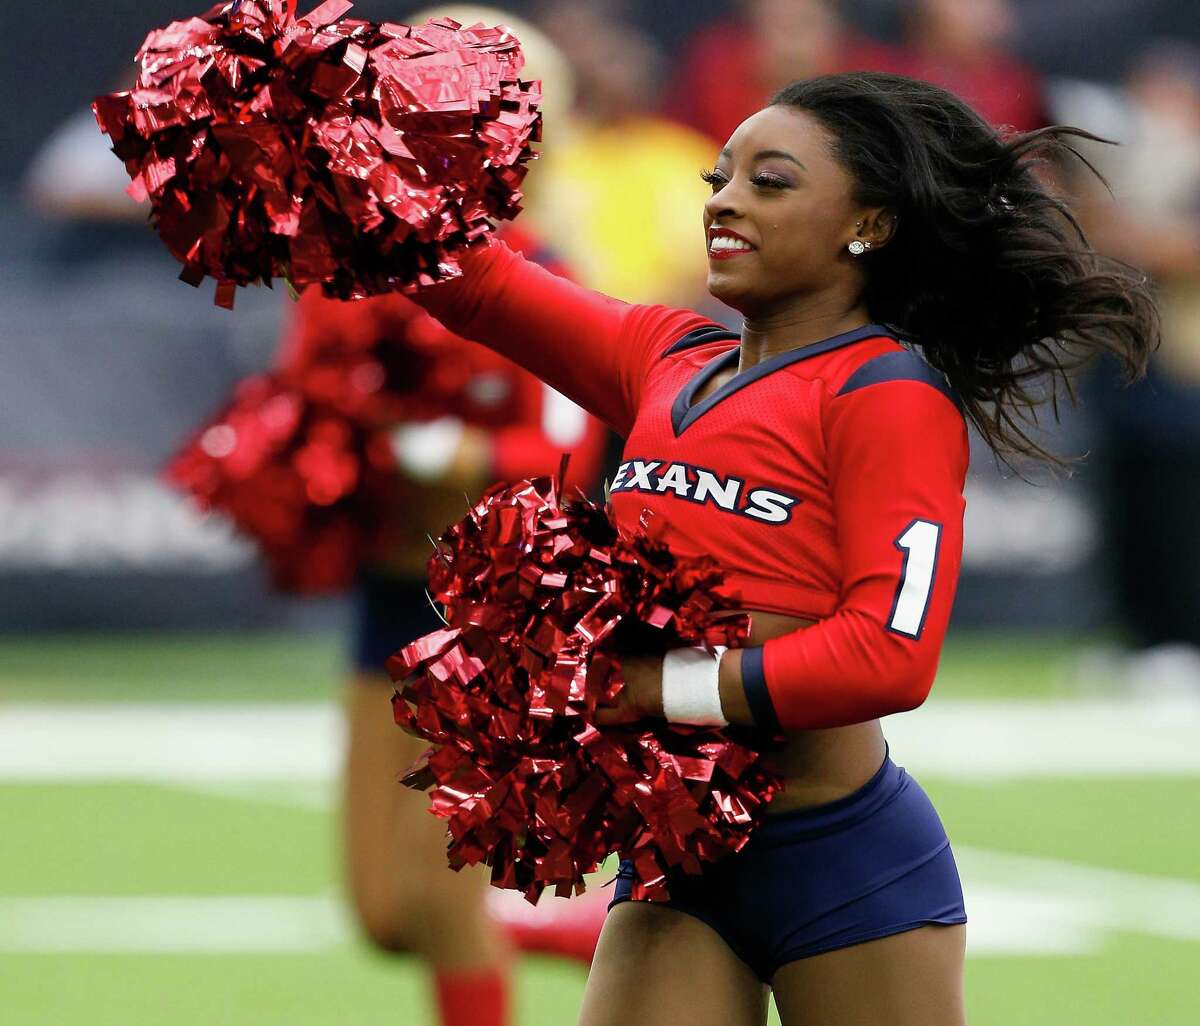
x,y
146,891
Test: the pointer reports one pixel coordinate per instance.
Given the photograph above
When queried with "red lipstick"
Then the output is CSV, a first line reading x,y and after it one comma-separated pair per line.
x,y
727,251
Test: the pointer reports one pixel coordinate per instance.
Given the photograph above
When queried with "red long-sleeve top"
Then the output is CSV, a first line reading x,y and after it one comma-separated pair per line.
x,y
826,480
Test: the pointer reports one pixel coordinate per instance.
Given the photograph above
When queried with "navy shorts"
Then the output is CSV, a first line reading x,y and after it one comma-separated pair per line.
x,y
389,612
869,865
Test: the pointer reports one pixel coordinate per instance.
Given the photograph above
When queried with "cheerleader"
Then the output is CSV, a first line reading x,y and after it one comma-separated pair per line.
x,y
902,273
509,426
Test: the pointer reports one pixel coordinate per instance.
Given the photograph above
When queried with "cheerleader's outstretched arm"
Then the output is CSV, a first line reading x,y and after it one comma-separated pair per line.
x,y
593,349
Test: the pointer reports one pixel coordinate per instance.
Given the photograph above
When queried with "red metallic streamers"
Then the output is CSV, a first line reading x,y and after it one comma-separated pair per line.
x,y
323,149
305,482
541,599
319,512
358,369
385,361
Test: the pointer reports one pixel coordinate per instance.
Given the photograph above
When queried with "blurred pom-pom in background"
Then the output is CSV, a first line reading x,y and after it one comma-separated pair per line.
x,y
541,598
325,150
303,480
384,361
370,367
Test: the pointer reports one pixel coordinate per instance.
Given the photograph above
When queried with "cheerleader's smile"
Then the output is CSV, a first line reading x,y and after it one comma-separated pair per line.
x,y
724,243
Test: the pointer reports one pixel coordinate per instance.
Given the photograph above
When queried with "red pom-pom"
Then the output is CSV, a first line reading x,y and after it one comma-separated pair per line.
x,y
301,479
541,599
385,361
356,155
301,460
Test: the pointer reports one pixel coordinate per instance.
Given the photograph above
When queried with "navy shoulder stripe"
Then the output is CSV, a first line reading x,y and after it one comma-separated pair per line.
x,y
904,365
699,336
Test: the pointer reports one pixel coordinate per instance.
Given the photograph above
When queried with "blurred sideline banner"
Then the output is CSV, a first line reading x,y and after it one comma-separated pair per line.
x,y
107,363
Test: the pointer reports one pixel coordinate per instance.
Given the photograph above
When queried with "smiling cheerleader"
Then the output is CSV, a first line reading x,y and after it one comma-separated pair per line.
x,y
902,272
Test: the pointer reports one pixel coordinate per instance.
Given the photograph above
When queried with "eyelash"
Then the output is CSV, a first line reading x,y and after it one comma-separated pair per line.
x,y
715,179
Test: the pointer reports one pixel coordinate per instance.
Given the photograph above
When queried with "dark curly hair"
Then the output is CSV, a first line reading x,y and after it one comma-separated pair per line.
x,y
988,272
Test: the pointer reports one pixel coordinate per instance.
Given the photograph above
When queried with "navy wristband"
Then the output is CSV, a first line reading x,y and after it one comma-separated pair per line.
x,y
757,695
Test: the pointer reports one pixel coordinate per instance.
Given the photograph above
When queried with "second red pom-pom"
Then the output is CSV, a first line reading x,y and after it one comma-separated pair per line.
x,y
542,600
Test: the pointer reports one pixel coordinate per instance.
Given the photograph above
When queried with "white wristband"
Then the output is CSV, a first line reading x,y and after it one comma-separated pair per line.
x,y
425,451
691,688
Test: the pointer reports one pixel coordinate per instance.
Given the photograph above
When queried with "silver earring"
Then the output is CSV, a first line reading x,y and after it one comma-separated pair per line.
x,y
858,248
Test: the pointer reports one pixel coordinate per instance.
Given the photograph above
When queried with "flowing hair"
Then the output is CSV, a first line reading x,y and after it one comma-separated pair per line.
x,y
987,271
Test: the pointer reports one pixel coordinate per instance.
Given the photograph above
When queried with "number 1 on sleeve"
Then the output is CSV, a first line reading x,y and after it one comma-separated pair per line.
x,y
919,543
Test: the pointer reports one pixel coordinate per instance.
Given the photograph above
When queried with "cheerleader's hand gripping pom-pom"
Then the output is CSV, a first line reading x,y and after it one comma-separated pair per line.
x,y
541,598
360,156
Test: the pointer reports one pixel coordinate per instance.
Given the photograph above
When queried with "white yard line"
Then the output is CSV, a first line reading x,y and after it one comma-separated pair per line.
x,y
1008,921
1108,899
1018,905
1004,922
206,744
1061,738
178,743
170,925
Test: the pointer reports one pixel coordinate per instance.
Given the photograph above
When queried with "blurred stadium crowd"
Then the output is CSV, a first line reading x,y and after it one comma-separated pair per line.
x,y
108,362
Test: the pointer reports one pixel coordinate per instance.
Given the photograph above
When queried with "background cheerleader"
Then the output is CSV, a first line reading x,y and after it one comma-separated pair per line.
x,y
404,897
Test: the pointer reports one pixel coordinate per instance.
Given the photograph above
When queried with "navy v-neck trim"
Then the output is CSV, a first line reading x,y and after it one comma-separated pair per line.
x,y
684,414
